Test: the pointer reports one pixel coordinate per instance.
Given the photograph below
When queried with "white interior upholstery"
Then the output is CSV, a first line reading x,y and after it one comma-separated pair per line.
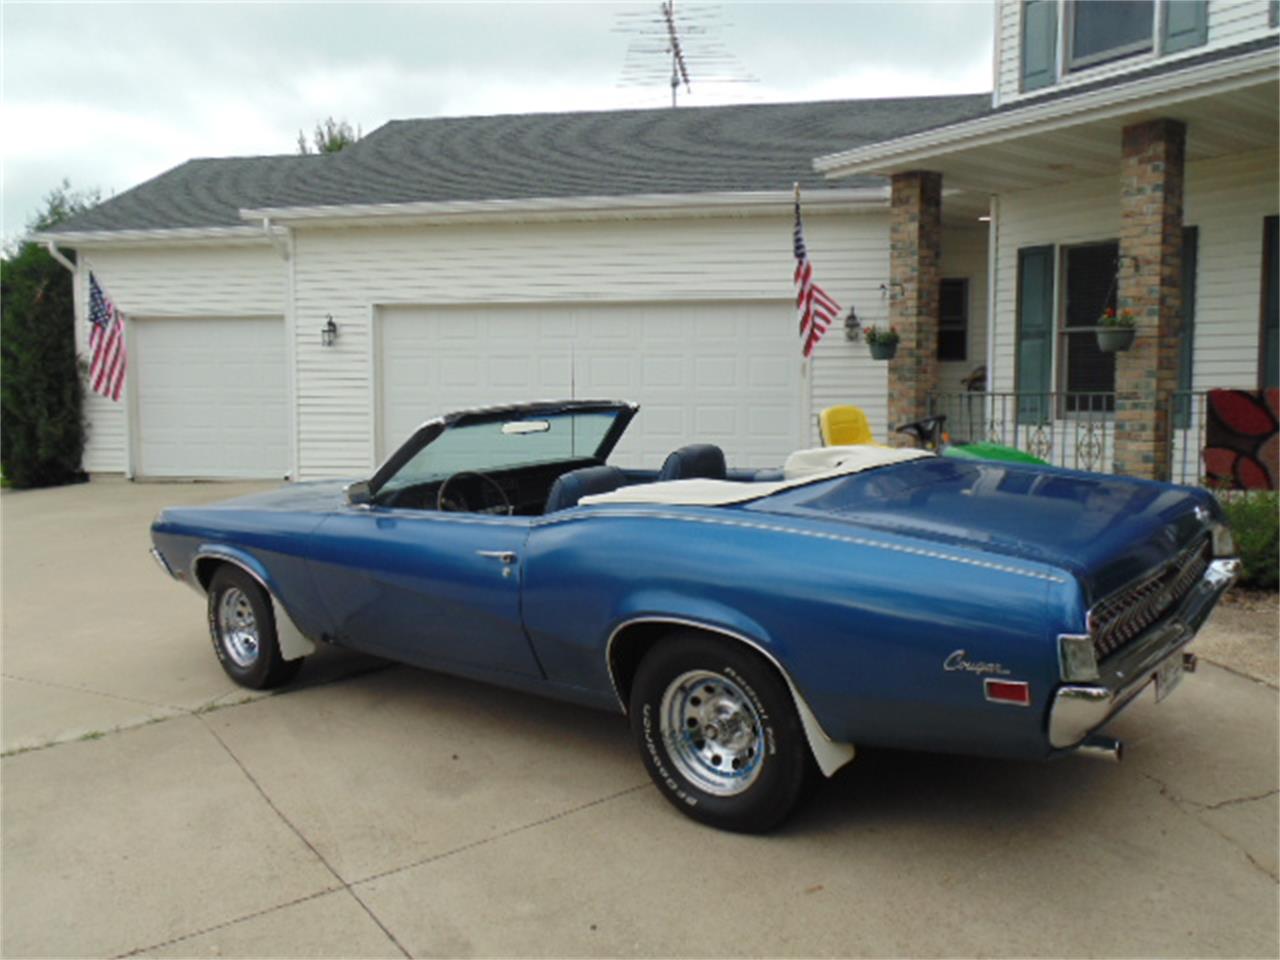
x,y
803,466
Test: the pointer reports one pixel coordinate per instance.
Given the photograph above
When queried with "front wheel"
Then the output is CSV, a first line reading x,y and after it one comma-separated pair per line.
x,y
719,734
243,630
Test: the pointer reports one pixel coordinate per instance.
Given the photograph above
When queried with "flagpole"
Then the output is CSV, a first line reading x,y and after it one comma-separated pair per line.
x,y
806,388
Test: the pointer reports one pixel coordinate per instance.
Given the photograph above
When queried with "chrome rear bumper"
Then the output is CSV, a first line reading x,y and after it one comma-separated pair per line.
x,y
1079,709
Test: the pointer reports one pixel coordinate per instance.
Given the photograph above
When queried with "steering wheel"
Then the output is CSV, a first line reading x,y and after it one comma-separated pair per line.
x,y
459,502
927,431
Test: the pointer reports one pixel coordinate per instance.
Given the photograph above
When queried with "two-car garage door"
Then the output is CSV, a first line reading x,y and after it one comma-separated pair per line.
x,y
211,397
725,373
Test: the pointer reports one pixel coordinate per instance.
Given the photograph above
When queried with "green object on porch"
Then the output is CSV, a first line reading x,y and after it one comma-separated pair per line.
x,y
883,351
990,451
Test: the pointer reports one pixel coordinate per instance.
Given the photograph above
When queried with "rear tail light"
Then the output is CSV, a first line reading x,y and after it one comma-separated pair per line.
x,y
1017,692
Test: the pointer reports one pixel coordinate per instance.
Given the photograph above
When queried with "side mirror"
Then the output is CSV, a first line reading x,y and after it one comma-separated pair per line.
x,y
358,493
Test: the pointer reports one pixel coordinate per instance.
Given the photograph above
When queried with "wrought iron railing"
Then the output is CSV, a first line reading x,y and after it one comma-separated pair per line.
x,y
1074,430
1070,429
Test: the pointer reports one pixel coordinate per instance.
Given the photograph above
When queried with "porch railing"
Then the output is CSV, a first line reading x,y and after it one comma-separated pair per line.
x,y
1068,429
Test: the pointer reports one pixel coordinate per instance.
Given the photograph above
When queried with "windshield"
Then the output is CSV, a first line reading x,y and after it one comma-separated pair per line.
x,y
502,444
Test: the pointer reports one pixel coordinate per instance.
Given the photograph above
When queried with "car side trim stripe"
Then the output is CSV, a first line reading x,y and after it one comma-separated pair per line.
x,y
815,534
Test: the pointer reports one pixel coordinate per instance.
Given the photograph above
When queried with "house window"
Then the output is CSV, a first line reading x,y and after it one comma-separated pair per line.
x,y
1101,30
953,320
1087,375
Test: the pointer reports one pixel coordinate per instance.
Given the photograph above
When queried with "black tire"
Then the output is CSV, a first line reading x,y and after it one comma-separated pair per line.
x,y
257,664
699,774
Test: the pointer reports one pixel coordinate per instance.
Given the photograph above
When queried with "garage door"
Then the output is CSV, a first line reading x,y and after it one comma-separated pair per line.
x,y
723,373
211,397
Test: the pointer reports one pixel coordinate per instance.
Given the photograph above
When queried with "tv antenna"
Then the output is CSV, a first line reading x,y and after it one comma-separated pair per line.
x,y
670,45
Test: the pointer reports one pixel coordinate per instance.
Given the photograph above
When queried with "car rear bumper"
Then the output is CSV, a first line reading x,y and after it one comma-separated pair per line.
x,y
1079,709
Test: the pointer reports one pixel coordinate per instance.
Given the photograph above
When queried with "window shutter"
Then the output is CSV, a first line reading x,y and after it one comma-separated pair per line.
x,y
1186,25
1271,302
1035,333
1186,339
1039,43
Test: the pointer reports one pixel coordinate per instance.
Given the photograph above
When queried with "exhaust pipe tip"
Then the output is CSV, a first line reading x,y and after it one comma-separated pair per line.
x,y
1104,748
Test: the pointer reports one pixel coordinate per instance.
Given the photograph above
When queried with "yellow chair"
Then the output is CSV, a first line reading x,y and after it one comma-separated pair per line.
x,y
843,426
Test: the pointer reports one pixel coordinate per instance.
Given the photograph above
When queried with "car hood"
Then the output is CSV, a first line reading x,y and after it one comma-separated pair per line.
x,y
1105,530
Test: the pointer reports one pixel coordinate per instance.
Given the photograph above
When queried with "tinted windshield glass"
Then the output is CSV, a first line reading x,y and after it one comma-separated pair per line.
x,y
499,445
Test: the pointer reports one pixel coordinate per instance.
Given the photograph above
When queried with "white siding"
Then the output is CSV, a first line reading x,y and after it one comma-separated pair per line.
x,y
191,281
1226,198
1008,49
350,272
1230,22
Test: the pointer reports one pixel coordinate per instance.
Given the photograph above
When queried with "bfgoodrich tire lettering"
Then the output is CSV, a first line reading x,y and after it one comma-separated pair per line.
x,y
243,630
718,732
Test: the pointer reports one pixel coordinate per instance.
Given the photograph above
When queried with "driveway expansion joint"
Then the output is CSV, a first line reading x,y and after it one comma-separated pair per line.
x,y
444,854
303,837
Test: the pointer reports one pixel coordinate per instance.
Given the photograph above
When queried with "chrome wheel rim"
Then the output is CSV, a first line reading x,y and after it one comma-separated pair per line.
x,y
238,628
713,733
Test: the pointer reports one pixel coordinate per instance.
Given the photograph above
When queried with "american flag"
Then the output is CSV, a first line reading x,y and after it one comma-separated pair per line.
x,y
817,309
106,341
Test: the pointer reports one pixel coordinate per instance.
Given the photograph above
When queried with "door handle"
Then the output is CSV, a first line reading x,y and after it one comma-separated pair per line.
x,y
504,556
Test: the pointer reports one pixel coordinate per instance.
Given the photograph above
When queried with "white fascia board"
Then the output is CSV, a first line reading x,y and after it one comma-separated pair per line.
x,y
581,208
1222,76
103,238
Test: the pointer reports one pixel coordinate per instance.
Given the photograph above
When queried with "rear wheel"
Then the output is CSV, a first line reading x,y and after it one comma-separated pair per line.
x,y
243,630
719,734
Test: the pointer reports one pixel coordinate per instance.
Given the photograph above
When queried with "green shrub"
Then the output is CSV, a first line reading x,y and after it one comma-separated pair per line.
x,y
1255,527
41,425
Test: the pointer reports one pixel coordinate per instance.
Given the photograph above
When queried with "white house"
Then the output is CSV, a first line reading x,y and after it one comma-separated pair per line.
x,y
647,255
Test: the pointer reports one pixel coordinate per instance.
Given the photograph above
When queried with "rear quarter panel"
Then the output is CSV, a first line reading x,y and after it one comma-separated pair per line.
x,y
863,624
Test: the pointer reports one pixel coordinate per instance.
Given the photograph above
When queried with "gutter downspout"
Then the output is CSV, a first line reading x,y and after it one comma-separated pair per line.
x,y
58,255
281,246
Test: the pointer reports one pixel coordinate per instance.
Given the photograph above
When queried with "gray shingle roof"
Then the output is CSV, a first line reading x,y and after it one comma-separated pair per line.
x,y
756,147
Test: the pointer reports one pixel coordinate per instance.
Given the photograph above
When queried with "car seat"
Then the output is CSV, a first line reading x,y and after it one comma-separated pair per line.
x,y
571,487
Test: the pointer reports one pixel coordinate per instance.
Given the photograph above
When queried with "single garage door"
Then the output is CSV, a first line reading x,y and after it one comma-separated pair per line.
x,y
210,397
725,373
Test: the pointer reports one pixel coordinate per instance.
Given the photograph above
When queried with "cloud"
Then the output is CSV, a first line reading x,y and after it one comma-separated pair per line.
x,y
112,94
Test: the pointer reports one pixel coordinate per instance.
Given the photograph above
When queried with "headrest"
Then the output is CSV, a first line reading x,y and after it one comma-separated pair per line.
x,y
695,460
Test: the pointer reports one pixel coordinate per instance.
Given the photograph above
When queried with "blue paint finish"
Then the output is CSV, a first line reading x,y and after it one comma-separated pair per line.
x,y
864,588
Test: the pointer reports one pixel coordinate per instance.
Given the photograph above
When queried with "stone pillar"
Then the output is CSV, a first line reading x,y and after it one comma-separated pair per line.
x,y
1150,285
915,252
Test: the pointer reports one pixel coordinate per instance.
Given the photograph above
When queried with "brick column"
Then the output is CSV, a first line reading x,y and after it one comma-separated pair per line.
x,y
1150,284
915,249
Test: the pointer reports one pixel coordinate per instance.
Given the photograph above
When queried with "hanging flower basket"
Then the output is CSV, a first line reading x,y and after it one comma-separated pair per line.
x,y
883,344
1115,331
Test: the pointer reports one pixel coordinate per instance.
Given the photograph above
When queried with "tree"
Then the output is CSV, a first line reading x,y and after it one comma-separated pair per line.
x,y
41,421
329,137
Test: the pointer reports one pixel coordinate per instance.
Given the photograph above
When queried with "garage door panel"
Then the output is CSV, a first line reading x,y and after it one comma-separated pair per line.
x,y
210,397
720,373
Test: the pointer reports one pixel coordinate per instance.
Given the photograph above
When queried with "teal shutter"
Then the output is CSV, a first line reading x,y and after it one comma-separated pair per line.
x,y
1039,43
1271,302
1035,333
1187,337
1186,25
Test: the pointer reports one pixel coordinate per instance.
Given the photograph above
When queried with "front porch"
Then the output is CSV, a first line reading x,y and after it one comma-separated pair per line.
x,y
1154,198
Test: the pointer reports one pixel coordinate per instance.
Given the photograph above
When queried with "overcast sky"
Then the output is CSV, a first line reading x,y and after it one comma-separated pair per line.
x,y
111,94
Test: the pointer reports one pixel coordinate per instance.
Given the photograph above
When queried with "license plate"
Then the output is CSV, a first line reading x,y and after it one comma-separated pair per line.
x,y
1168,676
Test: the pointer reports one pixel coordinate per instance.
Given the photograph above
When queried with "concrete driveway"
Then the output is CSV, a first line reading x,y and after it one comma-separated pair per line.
x,y
152,808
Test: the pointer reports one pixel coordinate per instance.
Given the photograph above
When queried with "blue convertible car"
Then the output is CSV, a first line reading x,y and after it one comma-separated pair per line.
x,y
755,626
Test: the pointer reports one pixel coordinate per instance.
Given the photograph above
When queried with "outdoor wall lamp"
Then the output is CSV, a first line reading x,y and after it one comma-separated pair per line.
x,y
852,326
894,290
329,332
